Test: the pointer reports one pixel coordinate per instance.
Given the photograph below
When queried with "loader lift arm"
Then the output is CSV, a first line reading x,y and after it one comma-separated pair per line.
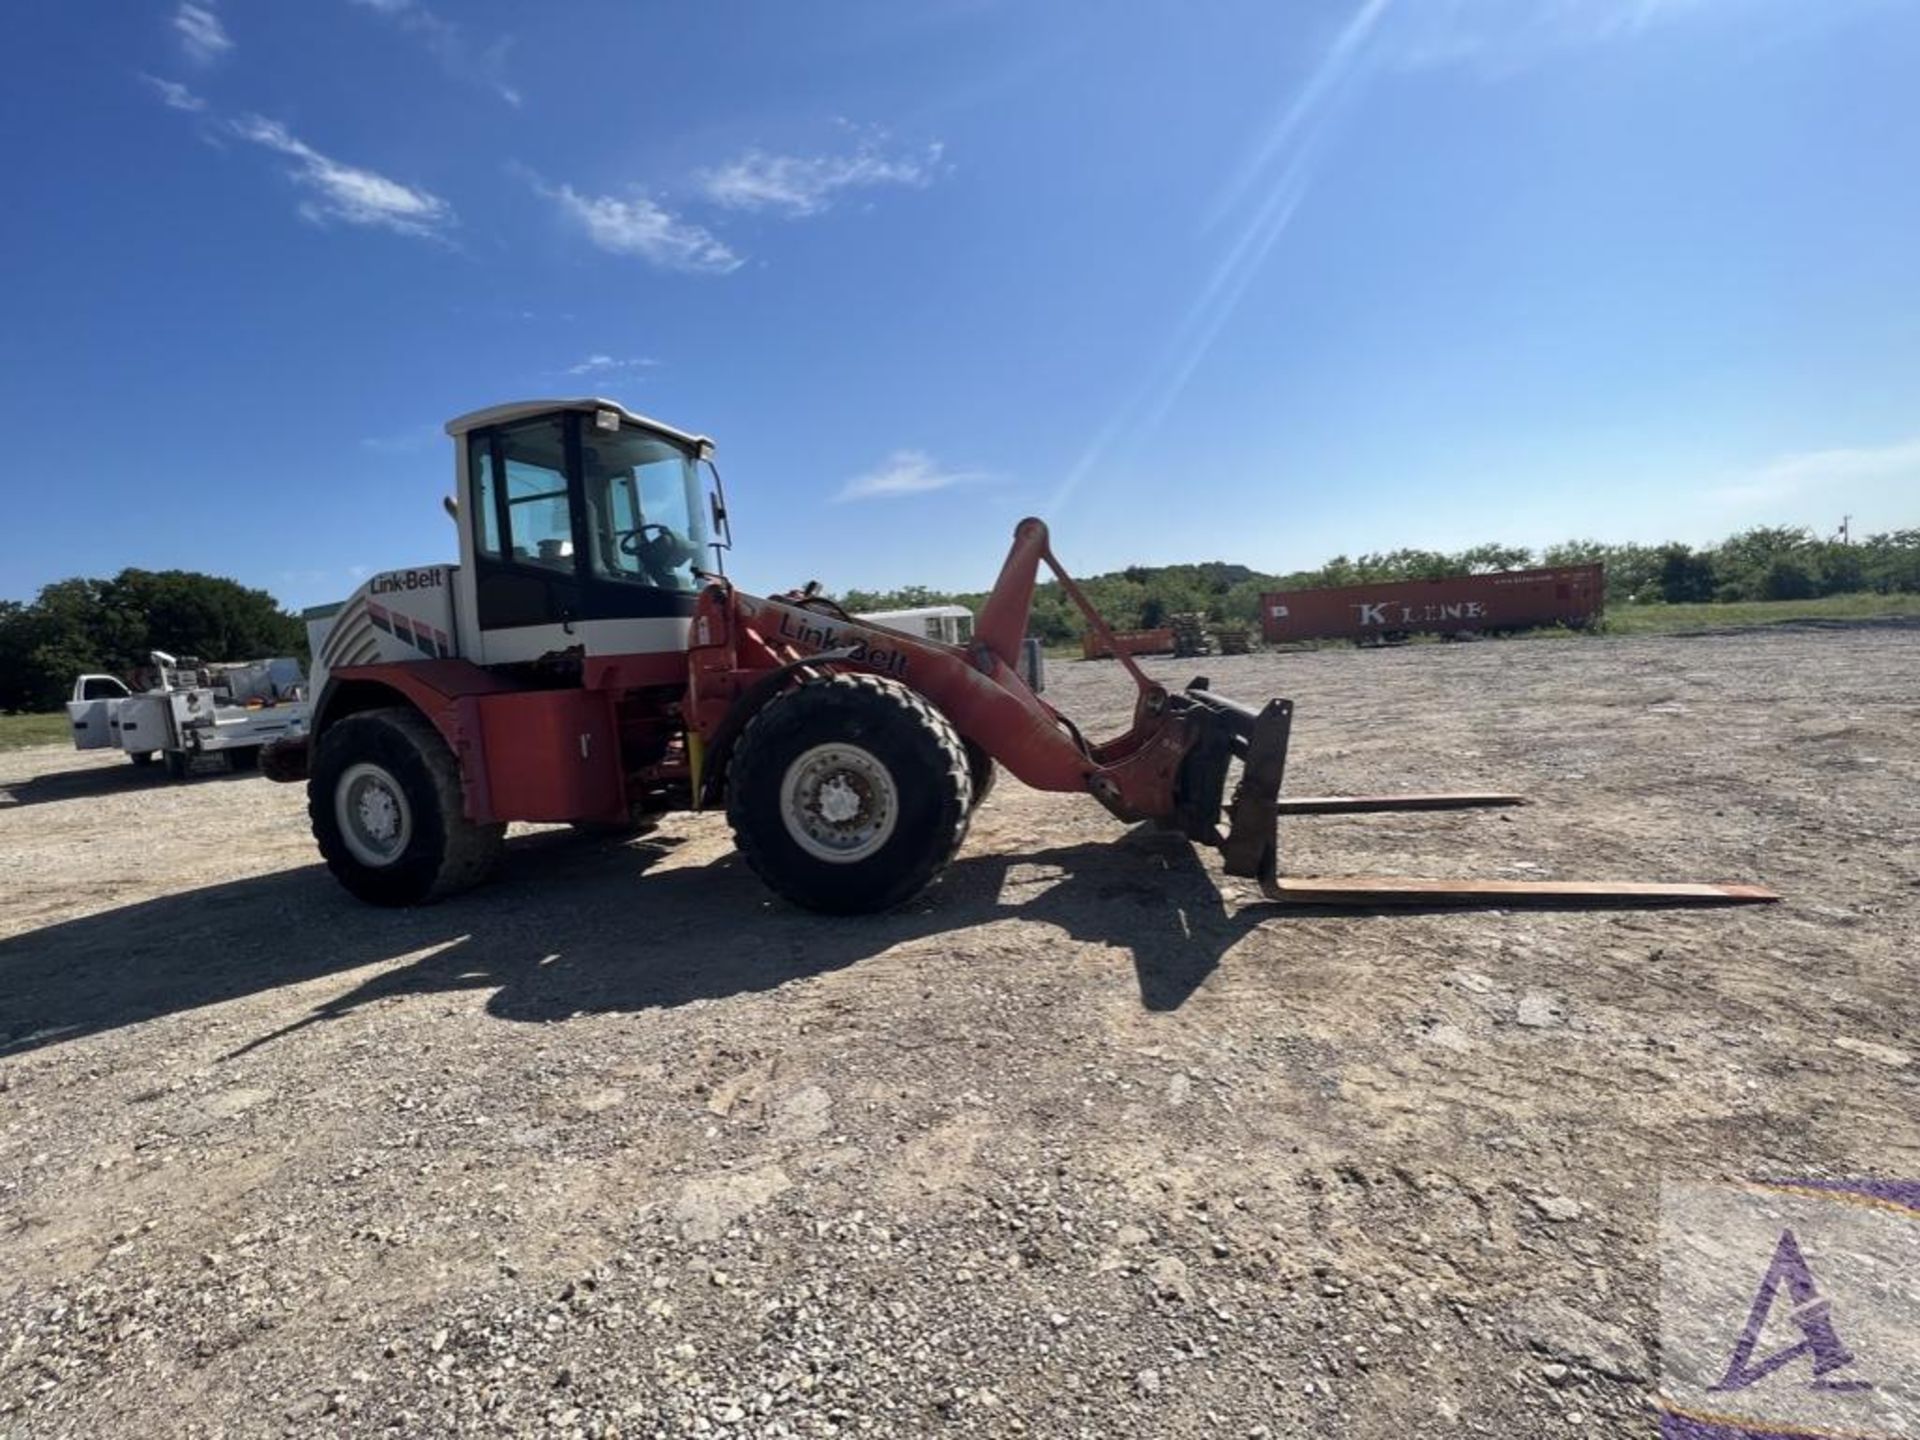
x,y
1170,767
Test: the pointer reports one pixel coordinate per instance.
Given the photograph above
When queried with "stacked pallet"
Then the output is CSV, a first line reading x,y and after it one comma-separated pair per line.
x,y
1190,634
1234,639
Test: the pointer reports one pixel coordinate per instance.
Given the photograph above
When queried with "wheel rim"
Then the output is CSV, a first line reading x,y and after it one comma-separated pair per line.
x,y
375,820
839,803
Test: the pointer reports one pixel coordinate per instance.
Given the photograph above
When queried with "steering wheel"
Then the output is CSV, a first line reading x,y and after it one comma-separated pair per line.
x,y
631,541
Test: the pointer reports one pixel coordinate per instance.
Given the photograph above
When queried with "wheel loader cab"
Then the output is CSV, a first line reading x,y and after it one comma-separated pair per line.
x,y
584,530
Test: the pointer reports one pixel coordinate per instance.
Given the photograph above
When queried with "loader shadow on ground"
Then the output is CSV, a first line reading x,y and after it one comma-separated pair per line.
x,y
576,926
91,782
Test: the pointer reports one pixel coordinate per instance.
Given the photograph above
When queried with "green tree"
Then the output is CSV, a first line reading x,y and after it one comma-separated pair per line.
x,y
1490,558
1891,562
1840,569
1787,577
80,625
1685,575
1576,552
1744,562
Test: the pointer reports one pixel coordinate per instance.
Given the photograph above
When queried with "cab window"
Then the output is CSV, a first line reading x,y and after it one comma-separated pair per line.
x,y
527,491
539,522
645,519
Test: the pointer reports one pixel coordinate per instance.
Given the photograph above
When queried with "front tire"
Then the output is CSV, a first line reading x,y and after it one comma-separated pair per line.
x,y
982,770
384,802
849,794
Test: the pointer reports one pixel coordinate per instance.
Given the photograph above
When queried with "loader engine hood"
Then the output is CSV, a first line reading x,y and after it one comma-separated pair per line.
x,y
395,616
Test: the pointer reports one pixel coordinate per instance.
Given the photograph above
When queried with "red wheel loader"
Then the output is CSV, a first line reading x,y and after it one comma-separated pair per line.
x,y
582,663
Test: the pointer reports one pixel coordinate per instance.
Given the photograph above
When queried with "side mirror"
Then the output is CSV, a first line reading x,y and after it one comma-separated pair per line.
x,y
717,506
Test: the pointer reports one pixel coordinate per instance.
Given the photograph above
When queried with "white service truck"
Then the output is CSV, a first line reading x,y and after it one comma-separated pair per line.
x,y
192,709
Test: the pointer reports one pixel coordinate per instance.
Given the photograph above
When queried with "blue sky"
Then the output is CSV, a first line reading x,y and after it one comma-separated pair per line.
x,y
1248,281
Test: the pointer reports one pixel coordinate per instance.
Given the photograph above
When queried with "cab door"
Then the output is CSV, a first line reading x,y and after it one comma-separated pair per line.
x,y
90,712
589,536
527,585
643,538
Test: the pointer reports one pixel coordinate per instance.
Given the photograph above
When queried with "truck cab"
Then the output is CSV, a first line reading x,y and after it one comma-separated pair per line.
x,y
90,711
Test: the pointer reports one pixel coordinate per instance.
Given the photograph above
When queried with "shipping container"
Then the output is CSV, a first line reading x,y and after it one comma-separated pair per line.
x,y
1133,642
1511,600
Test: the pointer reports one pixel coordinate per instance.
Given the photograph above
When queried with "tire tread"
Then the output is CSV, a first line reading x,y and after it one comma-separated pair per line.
x,y
468,851
745,782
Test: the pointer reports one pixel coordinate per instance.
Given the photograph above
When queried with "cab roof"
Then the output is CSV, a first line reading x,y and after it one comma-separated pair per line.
x,y
521,409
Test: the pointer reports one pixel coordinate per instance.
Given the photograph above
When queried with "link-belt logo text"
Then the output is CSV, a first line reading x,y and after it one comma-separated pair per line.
x,y
431,578
827,636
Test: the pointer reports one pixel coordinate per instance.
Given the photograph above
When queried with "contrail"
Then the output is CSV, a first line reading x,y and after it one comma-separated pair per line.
x,y
1283,165
1326,78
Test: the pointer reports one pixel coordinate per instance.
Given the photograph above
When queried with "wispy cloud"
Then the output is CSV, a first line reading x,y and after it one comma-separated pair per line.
x,y
404,442
174,95
905,472
1811,472
800,185
1503,36
201,34
346,193
448,43
638,226
605,364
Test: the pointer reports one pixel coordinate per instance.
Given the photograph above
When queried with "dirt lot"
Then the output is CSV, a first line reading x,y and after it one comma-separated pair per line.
x,y
1085,1143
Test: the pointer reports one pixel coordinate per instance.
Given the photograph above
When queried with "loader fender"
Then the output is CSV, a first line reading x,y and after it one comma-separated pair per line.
x,y
444,692
720,745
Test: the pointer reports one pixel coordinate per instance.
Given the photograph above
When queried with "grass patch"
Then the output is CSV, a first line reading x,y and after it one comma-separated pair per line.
x,y
1740,614
19,731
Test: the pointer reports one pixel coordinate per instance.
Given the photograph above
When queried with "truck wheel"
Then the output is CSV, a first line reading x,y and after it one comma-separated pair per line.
x,y
243,757
848,794
178,764
143,758
384,800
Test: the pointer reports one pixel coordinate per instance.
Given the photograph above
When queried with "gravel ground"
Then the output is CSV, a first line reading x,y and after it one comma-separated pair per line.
x,y
1086,1142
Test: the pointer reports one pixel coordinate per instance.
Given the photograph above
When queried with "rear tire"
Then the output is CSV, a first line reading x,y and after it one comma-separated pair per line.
x,y
384,801
244,757
849,794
